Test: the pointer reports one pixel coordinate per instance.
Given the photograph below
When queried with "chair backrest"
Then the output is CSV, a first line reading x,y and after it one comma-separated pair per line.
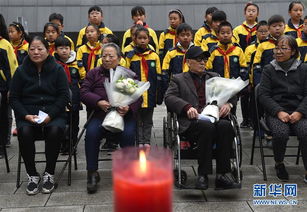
x,y
260,113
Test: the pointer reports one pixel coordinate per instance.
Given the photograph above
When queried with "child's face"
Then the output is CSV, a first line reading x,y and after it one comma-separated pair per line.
x,y
185,38
305,26
225,35
262,32
174,20
277,29
51,34
63,52
142,39
139,17
105,41
208,18
251,13
14,34
215,25
58,22
95,17
91,34
296,12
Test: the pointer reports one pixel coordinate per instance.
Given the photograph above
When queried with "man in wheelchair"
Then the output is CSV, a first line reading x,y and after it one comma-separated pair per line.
x,y
186,97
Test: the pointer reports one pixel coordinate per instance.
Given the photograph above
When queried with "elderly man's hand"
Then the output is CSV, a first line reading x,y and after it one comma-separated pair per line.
x,y
104,105
225,110
192,113
123,110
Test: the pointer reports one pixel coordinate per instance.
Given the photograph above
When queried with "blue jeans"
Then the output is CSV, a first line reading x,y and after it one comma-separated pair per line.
x,y
95,132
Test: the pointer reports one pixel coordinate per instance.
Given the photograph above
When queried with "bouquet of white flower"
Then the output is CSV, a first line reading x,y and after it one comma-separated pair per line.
x,y
218,91
122,90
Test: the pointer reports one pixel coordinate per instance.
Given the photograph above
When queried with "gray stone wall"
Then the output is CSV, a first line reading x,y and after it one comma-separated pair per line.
x,y
117,12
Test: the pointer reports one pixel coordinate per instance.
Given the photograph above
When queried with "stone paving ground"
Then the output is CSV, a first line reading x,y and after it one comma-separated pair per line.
x,y
75,198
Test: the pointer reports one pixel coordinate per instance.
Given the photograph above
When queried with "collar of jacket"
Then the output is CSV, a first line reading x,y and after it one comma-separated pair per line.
x,y
48,65
88,44
71,59
293,67
219,44
206,26
290,24
180,47
139,50
170,29
245,24
101,25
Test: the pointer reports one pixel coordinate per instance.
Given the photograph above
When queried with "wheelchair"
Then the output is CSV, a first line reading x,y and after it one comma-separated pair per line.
x,y
187,150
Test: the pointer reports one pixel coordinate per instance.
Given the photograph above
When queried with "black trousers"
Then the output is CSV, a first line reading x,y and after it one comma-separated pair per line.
x,y
280,134
26,137
245,101
206,134
4,119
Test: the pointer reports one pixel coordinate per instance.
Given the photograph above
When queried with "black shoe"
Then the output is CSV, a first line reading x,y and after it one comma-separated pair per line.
x,y
48,183
281,172
245,124
226,181
202,182
92,179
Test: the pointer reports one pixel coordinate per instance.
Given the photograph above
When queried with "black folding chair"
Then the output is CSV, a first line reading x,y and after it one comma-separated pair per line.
x,y
262,128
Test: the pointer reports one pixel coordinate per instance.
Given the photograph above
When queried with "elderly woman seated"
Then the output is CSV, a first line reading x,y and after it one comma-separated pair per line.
x,y
186,97
283,95
93,95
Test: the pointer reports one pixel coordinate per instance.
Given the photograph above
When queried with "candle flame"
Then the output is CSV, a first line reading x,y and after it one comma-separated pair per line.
x,y
142,161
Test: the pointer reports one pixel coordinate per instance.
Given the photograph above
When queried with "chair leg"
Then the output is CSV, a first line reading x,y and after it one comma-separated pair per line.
x,y
6,158
262,157
18,169
75,159
298,154
253,148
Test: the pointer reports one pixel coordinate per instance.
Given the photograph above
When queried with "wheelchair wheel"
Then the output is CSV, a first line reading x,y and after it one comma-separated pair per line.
x,y
234,172
165,134
184,178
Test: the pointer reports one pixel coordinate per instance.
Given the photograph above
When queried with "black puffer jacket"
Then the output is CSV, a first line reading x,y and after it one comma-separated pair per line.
x,y
282,90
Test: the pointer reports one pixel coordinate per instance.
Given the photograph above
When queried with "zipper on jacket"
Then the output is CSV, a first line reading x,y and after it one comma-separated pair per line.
x,y
39,79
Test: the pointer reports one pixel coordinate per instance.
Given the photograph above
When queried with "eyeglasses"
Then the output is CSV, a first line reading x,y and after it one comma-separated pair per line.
x,y
280,49
200,59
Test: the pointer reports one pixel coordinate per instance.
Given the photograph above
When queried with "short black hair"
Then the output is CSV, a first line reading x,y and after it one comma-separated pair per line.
x,y
223,24
95,8
56,16
219,15
261,23
211,10
275,19
41,39
137,10
183,27
3,28
142,29
112,39
62,41
55,26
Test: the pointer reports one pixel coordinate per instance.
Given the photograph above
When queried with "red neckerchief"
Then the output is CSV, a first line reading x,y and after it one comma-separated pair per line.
x,y
24,42
51,48
226,62
299,31
66,68
173,32
144,63
249,31
91,55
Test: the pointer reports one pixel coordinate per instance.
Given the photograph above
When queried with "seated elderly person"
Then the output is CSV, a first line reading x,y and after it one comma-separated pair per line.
x,y
186,97
93,95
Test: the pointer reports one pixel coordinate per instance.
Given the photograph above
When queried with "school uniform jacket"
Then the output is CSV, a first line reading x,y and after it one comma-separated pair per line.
x,y
264,55
87,57
82,37
167,41
146,65
245,35
302,45
201,33
250,53
229,62
8,64
21,50
152,34
131,46
210,40
291,30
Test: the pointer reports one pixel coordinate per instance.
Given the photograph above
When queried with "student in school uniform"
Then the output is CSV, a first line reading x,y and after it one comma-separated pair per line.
x,y
95,17
245,33
168,38
58,19
206,28
51,33
295,23
138,16
146,64
264,53
302,41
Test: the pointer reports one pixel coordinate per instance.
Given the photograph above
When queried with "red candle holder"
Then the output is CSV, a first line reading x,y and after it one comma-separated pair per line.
x,y
142,180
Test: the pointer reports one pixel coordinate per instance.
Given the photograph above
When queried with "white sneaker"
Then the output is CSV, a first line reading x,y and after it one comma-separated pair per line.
x,y
48,183
33,185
